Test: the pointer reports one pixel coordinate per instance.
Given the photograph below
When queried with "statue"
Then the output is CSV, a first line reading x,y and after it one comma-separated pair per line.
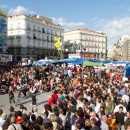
x,y
75,47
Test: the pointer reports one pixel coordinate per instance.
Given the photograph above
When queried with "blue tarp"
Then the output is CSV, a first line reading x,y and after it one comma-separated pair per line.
x,y
70,60
106,62
42,63
75,61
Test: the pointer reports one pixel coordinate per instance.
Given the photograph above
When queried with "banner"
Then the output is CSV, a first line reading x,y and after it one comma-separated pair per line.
x,y
58,45
5,58
87,55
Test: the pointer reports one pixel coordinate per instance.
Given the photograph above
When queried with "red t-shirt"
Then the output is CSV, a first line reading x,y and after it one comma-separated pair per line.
x,y
20,120
55,97
49,102
15,80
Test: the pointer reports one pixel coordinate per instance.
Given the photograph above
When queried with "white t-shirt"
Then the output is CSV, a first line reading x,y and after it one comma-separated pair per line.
x,y
117,108
81,105
126,97
97,108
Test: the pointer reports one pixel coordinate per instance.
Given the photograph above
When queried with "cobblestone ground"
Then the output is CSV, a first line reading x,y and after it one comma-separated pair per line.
x,y
41,99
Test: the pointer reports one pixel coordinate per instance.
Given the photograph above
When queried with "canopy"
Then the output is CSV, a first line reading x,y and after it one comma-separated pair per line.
x,y
88,63
42,63
73,60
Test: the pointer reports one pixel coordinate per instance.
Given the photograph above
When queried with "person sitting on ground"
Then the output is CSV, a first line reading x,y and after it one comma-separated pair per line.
x,y
54,120
13,125
19,119
25,122
35,110
48,126
39,122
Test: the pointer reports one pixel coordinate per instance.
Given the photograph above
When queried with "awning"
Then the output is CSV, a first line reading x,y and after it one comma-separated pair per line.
x,y
87,63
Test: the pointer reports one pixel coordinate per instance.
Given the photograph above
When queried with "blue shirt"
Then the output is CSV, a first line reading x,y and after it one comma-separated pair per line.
x,y
122,91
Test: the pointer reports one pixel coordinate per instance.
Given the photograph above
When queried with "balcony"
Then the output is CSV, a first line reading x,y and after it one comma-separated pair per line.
x,y
39,30
18,36
17,46
18,28
29,47
39,39
11,28
11,37
35,30
28,28
29,37
34,37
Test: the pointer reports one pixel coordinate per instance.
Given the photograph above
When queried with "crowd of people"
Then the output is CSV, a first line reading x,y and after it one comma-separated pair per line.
x,y
83,98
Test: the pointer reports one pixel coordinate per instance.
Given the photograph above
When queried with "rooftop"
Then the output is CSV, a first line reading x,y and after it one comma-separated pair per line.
x,y
86,30
35,18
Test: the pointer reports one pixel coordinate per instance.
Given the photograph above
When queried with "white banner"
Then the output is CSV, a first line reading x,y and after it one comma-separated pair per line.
x,y
5,58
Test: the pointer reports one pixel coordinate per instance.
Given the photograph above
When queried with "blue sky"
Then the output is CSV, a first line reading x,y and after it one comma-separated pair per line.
x,y
109,16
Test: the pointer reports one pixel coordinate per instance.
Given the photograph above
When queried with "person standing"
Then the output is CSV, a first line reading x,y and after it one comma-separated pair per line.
x,y
11,95
33,92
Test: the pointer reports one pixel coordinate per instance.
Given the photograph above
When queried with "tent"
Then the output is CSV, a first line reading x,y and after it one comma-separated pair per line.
x,y
42,63
73,60
88,63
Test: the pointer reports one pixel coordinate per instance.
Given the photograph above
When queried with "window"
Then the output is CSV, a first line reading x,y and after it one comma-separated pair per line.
x,y
28,27
34,28
51,39
11,42
43,38
38,28
51,32
43,30
18,43
12,26
48,38
18,33
11,33
28,34
28,43
38,44
56,33
34,36
47,31
18,27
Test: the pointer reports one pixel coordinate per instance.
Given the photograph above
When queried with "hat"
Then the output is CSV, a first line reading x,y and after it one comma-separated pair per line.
x,y
13,119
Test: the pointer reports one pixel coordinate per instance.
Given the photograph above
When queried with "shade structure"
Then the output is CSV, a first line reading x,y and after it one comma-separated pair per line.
x,y
88,63
73,60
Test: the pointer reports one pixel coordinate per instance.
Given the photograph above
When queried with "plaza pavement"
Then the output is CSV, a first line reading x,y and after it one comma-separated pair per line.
x,y
41,99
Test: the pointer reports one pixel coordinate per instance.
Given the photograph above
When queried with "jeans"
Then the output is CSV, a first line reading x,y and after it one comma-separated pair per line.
x,y
33,99
11,99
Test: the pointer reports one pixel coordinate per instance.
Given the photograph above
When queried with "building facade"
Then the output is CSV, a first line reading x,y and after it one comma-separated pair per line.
x,y
32,36
112,52
93,45
3,32
123,48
